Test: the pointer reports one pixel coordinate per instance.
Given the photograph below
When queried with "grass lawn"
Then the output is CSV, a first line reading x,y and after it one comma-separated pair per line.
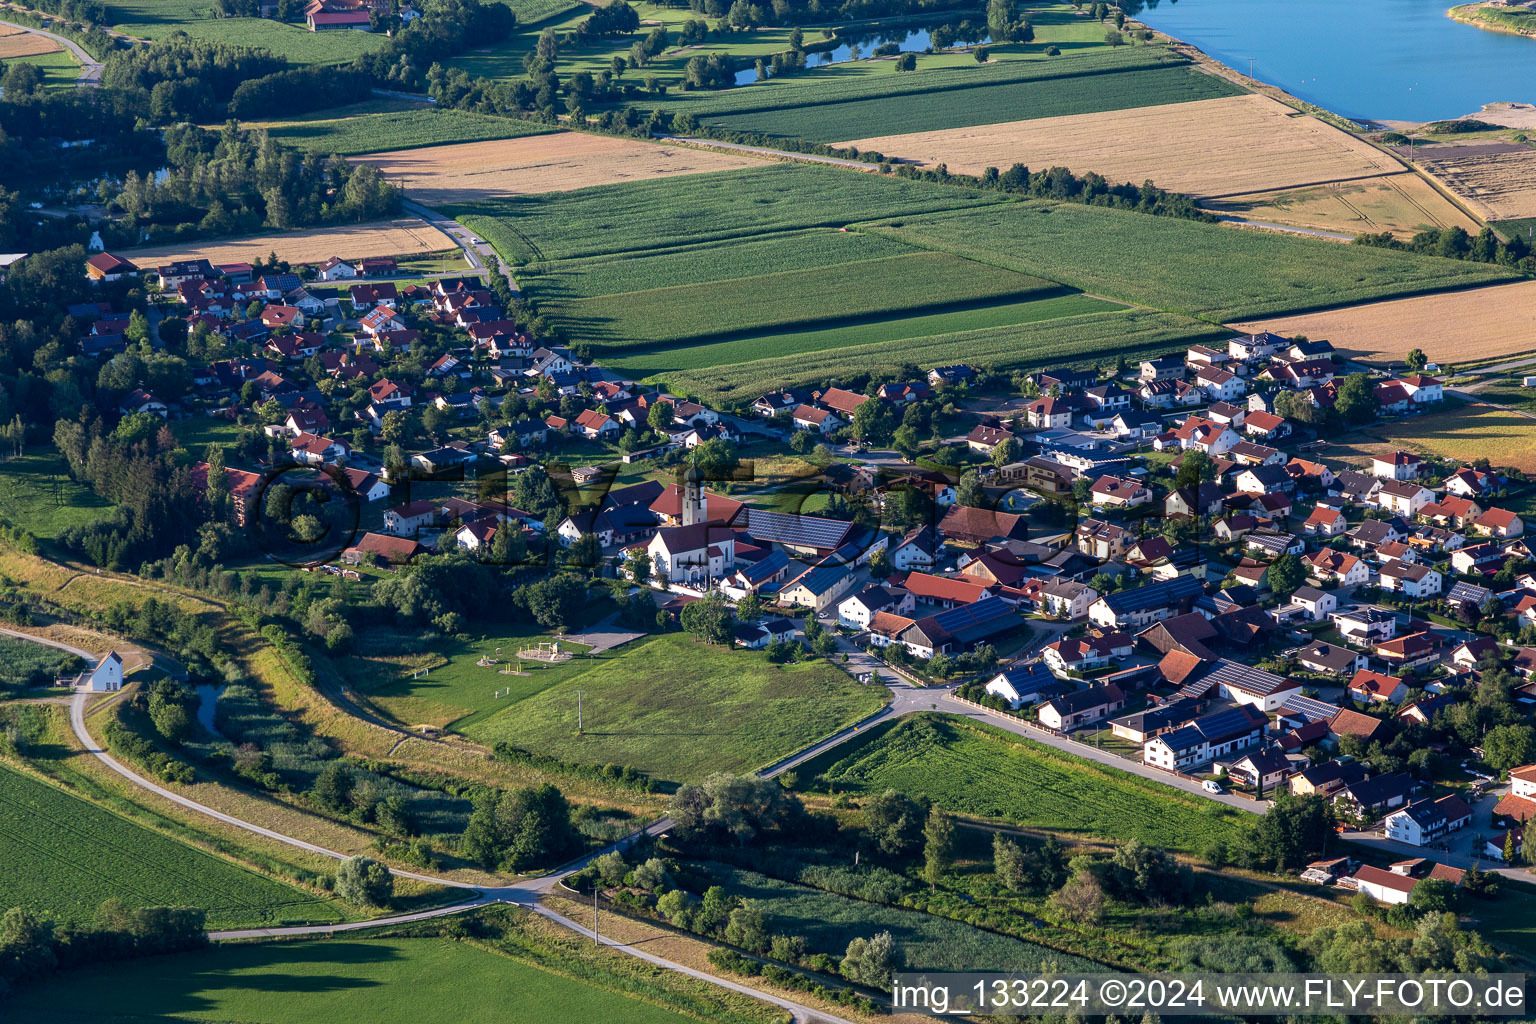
x,y
60,69
322,982
982,771
37,495
842,293
196,433
63,856
881,332
290,41
402,129
671,212
679,709
1203,270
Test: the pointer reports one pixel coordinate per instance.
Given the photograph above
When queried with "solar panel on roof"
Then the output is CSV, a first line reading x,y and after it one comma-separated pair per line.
x,y
796,530
1308,708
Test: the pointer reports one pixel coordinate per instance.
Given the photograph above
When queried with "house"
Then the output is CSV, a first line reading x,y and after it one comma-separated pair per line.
x,y
1468,483
1312,475
1052,413
105,267
1206,738
1081,707
1498,522
1325,522
1329,659
946,592
1262,769
984,438
383,547
313,450
1327,778
754,577
775,402
1355,487
808,417
1372,533
1119,492
754,637
1404,497
1206,500
1066,599
1141,726
841,402
959,628
963,524
1410,651
1376,688
1084,654
1423,711
1375,795
1161,368
593,425
381,320
1341,566
917,549
1220,385
336,269
1102,540
1244,685
1384,886
1205,435
321,18
698,552
1417,581
1024,682
141,401
1263,479
817,588
107,677
1396,466
856,612
1138,608
368,296
1349,722
1304,373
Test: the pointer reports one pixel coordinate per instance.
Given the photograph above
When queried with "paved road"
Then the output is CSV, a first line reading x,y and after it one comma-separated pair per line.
x,y
475,248
90,67
783,154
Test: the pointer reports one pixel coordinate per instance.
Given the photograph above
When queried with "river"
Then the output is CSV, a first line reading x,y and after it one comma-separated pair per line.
x,y
1366,59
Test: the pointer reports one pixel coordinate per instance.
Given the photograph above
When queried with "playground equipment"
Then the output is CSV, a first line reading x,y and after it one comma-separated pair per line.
x,y
547,651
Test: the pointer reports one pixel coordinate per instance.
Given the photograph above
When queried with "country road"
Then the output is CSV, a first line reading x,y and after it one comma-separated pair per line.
x,y
474,247
90,68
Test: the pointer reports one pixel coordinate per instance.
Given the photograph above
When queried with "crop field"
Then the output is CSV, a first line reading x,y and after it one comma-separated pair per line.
x,y
531,11
679,710
1204,270
700,208
23,663
727,260
982,771
1045,101
27,44
924,942
37,495
1451,327
325,981
1462,433
883,333
792,299
291,41
398,130
543,163
1403,204
1083,339
64,856
1211,147
399,237
1498,182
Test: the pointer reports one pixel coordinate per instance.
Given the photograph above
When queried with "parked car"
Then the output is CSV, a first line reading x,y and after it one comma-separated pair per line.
x,y
1211,786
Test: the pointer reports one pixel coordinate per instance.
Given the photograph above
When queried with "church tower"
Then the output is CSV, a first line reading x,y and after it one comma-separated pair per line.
x,y
693,497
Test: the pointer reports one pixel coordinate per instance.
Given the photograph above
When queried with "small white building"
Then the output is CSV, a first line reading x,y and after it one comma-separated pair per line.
x,y
108,677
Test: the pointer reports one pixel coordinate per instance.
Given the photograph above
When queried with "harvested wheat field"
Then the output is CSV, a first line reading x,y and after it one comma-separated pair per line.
x,y
540,163
1451,327
1222,147
1461,433
26,45
404,236
11,30
1499,182
1403,204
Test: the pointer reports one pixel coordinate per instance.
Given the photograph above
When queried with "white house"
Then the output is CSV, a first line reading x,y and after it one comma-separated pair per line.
x,y
1403,497
1418,581
1384,886
108,676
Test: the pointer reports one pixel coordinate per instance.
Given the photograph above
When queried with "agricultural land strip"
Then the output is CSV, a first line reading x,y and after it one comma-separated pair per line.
x,y
1403,204
1451,327
1464,432
632,217
1211,147
560,162
64,856
403,236
293,43
1498,181
26,45
402,129
978,770
1201,270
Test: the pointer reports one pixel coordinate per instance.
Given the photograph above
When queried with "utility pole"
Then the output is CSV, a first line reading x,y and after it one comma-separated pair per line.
x,y
578,711
596,938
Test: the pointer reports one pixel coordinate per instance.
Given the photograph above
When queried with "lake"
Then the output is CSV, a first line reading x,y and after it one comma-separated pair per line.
x,y
907,40
1366,59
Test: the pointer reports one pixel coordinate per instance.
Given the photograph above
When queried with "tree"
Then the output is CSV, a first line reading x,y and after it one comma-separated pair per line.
x,y
708,618
1293,831
747,927
610,867
1286,573
1356,399
1114,37
395,428
1081,900
938,846
1433,896
906,62
870,962
365,882
333,786
1005,451
893,822
1509,746
969,491
740,807
905,441
1195,468
874,422
1296,405
640,567
1008,862
1416,360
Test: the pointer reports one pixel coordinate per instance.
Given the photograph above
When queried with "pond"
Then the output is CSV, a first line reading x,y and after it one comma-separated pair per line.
x,y
207,706
906,40
1366,59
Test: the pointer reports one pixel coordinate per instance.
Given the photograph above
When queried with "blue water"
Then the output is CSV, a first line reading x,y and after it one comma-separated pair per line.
x,y
1366,59
915,41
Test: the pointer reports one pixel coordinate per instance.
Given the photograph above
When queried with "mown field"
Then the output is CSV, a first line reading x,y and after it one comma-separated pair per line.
x,y
322,982
1084,339
291,41
882,334
406,129
977,770
64,856
923,942
1203,270
37,495
698,208
961,108
679,709
794,299
59,68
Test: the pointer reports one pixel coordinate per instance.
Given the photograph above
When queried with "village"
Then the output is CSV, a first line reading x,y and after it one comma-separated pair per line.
x,y
1146,563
